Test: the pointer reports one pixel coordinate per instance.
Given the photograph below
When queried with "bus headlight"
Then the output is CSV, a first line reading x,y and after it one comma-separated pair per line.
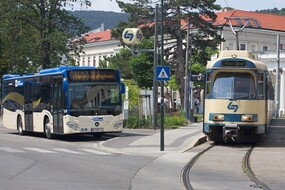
x,y
118,124
72,125
246,117
219,117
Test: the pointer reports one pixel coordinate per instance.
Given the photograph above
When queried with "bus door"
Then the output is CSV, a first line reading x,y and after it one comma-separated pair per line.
x,y
28,105
57,104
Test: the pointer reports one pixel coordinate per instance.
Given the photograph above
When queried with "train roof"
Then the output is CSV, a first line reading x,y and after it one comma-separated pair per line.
x,y
244,55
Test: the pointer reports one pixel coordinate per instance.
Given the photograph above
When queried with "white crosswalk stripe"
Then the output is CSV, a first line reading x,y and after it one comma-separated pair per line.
x,y
12,150
82,151
39,150
67,151
96,151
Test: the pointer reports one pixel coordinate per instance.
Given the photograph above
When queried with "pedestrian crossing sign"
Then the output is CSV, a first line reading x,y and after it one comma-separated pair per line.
x,y
162,73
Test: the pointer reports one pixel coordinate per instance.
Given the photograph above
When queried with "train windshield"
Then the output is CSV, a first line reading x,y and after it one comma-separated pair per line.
x,y
234,86
94,99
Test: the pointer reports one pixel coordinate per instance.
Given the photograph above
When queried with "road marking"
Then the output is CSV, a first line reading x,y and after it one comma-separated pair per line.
x,y
67,151
8,149
95,151
39,150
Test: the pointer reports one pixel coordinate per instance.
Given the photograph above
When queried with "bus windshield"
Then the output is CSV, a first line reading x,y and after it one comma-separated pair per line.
x,y
233,86
94,99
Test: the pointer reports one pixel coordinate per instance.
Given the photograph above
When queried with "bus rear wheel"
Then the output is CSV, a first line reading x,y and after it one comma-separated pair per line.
x,y
20,126
47,129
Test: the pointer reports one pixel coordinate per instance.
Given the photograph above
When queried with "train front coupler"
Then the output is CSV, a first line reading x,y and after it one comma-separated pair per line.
x,y
231,133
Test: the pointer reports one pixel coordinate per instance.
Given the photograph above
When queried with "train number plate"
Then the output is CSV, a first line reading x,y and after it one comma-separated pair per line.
x,y
96,129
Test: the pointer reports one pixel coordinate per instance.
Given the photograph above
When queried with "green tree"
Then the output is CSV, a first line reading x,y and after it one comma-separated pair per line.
x,y
39,33
139,67
200,15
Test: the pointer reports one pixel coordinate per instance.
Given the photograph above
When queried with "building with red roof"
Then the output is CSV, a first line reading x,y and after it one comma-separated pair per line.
x,y
100,44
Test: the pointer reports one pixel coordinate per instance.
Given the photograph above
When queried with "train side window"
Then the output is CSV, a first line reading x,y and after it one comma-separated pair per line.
x,y
260,84
208,83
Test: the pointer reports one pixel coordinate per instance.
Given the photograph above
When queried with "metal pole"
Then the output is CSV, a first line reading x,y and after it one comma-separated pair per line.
x,y
162,86
154,69
186,97
237,40
190,87
277,82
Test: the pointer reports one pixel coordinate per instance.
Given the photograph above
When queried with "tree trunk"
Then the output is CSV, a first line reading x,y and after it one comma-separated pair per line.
x,y
180,70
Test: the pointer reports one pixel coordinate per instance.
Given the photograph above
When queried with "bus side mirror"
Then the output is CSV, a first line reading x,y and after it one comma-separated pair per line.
x,y
123,88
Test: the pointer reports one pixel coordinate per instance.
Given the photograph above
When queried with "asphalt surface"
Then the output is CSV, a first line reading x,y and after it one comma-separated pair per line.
x,y
164,172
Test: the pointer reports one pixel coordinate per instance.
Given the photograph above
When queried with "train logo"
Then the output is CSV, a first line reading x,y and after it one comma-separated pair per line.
x,y
231,106
129,35
132,36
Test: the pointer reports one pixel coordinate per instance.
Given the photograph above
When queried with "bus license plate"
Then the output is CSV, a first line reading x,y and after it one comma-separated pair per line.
x,y
96,129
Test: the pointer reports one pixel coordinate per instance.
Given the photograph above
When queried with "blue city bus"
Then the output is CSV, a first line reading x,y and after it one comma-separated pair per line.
x,y
64,100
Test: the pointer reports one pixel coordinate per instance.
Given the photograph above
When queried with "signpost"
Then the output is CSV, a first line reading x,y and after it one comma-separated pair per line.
x,y
134,36
162,73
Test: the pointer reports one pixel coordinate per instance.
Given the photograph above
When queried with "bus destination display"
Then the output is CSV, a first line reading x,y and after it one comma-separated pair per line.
x,y
93,75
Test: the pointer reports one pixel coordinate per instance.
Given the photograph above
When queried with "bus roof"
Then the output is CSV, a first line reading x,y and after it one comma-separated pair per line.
x,y
237,54
64,68
55,70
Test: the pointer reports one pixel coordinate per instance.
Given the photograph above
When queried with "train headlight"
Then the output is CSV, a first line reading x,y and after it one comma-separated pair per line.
x,y
219,117
246,117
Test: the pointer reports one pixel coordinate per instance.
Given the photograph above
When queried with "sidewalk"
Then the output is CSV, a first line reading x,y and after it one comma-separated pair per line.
x,y
164,171
147,141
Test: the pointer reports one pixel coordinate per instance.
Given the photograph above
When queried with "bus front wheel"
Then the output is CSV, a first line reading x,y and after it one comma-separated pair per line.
x,y
47,129
20,126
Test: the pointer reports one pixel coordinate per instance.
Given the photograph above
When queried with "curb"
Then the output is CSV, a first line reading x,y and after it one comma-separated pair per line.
x,y
197,141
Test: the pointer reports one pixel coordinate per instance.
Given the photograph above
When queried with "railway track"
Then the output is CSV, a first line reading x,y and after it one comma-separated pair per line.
x,y
185,174
246,165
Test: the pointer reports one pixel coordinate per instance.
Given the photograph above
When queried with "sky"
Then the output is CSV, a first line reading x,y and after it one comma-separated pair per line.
x,y
247,5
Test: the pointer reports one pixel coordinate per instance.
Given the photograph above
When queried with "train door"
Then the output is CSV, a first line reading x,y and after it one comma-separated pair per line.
x,y
57,104
28,105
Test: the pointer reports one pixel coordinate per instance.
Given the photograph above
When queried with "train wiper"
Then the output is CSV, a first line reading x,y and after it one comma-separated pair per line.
x,y
239,97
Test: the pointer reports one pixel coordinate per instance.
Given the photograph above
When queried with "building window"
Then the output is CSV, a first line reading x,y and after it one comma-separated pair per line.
x,y
94,61
230,46
83,61
253,48
265,48
242,47
88,61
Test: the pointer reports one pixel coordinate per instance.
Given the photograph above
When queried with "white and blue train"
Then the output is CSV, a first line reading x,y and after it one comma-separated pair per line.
x,y
239,98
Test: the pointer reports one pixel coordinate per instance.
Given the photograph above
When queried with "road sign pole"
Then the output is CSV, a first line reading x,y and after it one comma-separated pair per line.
x,y
154,69
162,84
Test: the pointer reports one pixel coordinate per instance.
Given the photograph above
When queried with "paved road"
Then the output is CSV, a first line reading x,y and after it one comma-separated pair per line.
x,y
132,160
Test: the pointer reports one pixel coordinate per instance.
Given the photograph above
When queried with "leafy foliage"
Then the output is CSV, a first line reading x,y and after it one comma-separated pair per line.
x,y
199,14
139,68
273,11
36,34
